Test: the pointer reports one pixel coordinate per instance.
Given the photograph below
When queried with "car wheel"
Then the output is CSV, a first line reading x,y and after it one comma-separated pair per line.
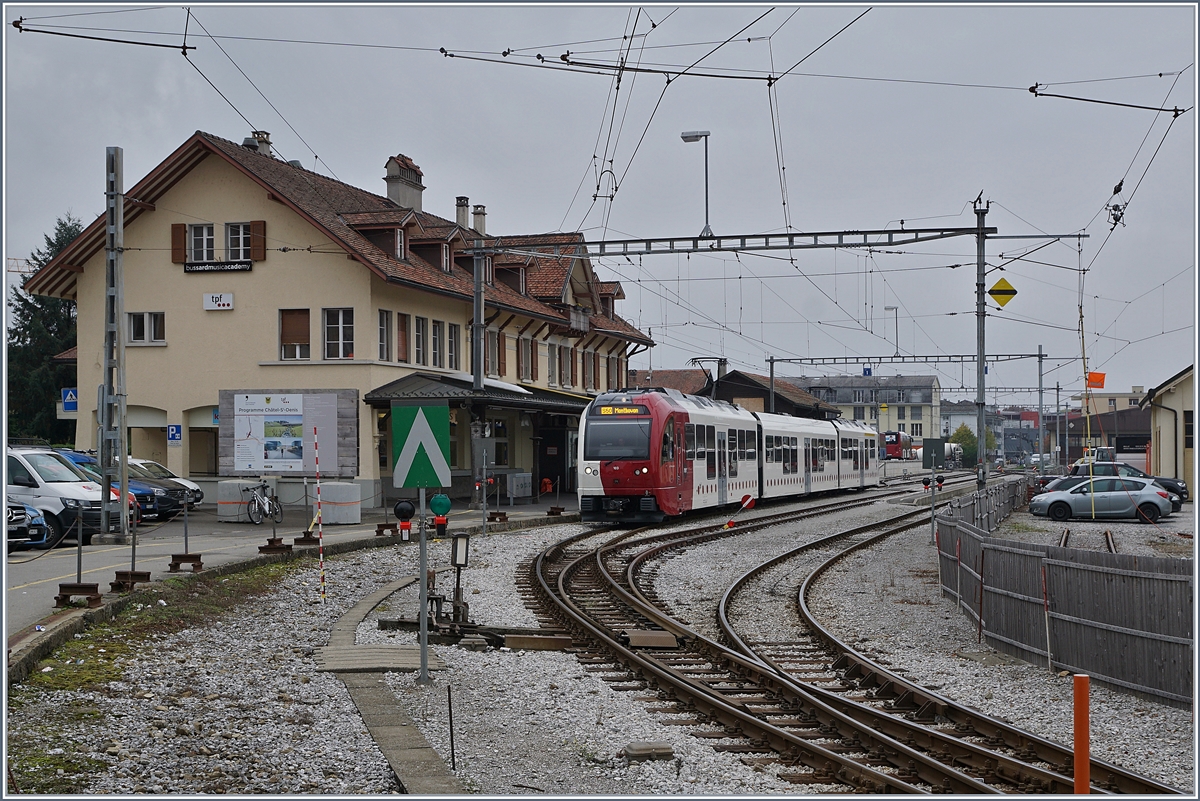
x,y
87,537
1059,512
1148,513
54,534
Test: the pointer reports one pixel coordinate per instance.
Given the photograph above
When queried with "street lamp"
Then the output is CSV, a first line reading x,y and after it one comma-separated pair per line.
x,y
897,310
696,136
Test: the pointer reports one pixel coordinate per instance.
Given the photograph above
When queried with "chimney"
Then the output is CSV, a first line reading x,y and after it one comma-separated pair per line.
x,y
722,368
250,143
480,217
461,211
404,182
264,142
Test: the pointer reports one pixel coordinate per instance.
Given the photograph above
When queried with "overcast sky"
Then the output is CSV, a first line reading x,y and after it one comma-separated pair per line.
x,y
906,114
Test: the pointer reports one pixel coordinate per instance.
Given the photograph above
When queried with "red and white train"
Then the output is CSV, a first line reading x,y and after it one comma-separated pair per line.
x,y
649,454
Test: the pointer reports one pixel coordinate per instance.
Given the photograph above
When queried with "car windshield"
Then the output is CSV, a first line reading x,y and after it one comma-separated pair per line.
x,y
53,468
156,470
617,439
139,471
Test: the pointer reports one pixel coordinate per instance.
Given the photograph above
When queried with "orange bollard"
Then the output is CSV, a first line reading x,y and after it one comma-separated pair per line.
x,y
1083,760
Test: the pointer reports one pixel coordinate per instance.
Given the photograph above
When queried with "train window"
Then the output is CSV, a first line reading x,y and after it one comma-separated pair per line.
x,y
768,450
813,458
732,438
667,453
741,444
751,450
779,450
689,439
710,437
794,455
781,455
855,448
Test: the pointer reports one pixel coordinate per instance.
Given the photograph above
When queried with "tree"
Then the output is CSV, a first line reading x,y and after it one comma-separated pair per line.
x,y
970,443
39,328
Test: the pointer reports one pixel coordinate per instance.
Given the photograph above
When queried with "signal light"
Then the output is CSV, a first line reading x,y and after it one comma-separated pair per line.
x,y
439,524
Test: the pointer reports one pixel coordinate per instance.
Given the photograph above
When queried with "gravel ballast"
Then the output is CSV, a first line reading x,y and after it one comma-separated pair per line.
x,y
238,706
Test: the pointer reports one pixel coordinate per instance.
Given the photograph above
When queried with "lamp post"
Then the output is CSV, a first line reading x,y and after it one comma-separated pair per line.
x,y
895,309
696,136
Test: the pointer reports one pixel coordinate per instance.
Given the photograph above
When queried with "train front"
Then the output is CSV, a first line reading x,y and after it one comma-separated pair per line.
x,y
617,483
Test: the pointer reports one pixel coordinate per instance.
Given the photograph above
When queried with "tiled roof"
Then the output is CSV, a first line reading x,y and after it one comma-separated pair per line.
x,y
689,381
406,162
613,288
619,326
337,208
68,356
783,389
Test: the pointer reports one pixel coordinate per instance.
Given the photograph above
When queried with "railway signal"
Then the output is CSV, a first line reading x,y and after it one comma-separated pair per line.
x,y
404,512
747,503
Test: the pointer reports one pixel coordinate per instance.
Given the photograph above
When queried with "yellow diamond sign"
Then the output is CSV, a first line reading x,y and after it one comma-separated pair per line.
x,y
1002,292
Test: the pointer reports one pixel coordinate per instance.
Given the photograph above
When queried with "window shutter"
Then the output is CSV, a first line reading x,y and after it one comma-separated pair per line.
x,y
595,369
258,240
178,243
520,360
533,359
574,372
501,352
293,326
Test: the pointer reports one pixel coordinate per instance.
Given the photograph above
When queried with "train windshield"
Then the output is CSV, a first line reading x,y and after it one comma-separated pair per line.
x,y
617,439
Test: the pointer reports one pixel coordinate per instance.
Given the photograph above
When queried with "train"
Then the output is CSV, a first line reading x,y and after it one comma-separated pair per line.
x,y
898,445
647,455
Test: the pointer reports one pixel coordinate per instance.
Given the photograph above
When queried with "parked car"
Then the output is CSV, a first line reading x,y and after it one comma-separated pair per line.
x,y
52,484
1123,470
156,470
1093,499
26,527
143,502
171,494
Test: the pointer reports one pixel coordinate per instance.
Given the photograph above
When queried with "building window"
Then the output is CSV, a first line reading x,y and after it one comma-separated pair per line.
x,y
588,378
446,260
524,360
492,359
385,335
915,413
339,333
421,340
203,246
439,344
612,374
860,396
499,440
860,413
552,364
900,414
1112,403
293,333
400,243
1133,401
147,327
452,346
900,427
401,337
1188,429
916,429
237,241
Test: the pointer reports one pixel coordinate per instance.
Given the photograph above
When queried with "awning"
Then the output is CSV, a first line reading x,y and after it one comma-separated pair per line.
x,y
435,386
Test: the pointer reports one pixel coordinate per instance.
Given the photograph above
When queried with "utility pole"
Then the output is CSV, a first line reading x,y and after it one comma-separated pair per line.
x,y
114,459
1057,423
1041,426
981,467
478,353
771,359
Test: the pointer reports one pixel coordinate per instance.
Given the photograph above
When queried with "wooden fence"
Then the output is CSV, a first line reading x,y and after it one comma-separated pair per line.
x,y
1124,620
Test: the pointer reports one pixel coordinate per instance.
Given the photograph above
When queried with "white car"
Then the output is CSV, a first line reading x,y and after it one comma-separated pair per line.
x,y
52,484
195,494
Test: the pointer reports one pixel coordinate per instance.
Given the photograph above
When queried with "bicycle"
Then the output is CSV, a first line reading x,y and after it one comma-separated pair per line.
x,y
261,504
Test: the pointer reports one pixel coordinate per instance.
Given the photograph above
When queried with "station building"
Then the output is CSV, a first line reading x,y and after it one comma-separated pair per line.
x,y
249,279
1172,406
908,403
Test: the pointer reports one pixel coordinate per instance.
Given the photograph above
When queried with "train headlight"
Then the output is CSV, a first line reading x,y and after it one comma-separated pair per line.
x,y
587,471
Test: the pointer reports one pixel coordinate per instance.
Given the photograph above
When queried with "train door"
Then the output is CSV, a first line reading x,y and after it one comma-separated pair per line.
x,y
666,465
807,465
722,470
860,462
682,479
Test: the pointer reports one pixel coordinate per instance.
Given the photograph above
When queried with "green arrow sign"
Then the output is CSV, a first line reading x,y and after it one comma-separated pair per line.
x,y
420,445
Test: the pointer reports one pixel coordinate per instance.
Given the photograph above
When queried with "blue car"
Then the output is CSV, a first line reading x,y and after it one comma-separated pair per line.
x,y
26,528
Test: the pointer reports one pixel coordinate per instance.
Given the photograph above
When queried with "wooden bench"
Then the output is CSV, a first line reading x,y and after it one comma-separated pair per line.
x,y
274,545
90,591
178,559
126,579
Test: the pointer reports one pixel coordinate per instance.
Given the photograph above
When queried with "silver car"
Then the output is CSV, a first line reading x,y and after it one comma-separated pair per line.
x,y
1097,498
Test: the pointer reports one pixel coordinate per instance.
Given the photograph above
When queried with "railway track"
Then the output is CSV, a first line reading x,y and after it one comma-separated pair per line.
x,y
829,739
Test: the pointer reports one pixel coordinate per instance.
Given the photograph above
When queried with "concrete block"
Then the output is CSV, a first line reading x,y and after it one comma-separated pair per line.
x,y
642,750
341,502
231,501
536,642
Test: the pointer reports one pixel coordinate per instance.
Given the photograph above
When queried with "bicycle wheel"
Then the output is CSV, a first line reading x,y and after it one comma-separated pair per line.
x,y
254,510
276,510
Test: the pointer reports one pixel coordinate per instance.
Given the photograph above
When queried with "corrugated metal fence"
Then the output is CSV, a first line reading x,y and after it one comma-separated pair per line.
x,y
1124,620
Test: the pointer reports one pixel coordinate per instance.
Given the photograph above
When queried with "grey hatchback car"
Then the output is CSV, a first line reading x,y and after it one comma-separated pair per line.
x,y
1098,498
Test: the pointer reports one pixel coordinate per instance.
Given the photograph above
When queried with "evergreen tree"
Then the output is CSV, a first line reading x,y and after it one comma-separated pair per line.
x,y
39,328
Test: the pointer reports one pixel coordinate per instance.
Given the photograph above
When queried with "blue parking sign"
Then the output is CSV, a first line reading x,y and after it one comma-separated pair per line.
x,y
70,399
175,433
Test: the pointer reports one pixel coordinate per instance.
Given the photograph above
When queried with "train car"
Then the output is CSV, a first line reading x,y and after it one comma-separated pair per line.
x,y
898,445
649,454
